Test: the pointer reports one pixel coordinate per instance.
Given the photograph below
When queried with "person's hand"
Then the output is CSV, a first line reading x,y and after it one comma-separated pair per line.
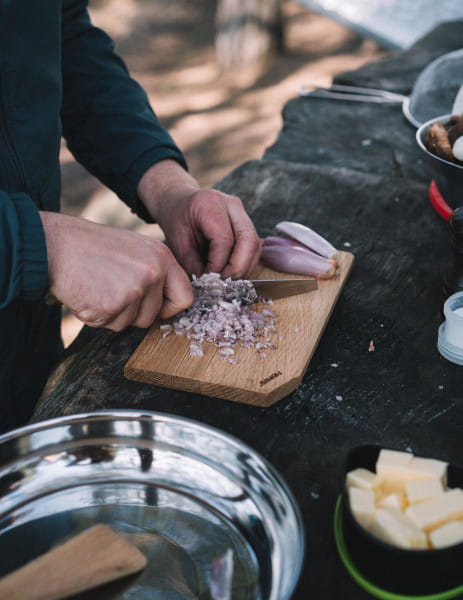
x,y
207,230
110,277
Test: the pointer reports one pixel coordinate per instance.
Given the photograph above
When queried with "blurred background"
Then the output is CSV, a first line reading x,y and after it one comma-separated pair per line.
x,y
220,98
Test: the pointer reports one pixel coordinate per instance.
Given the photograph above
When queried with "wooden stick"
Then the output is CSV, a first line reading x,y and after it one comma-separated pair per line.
x,y
92,558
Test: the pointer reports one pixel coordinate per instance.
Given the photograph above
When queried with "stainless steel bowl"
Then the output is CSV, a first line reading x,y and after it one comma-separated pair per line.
x,y
214,518
447,175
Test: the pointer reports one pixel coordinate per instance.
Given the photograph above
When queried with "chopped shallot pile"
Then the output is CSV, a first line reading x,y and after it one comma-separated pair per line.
x,y
221,314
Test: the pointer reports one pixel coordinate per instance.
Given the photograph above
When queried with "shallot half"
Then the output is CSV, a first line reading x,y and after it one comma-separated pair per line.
x,y
291,259
309,238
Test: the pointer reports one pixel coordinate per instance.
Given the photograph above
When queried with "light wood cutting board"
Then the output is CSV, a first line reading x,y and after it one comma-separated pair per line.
x,y
301,321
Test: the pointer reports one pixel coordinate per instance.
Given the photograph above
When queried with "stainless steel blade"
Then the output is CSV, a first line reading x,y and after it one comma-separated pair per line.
x,y
281,288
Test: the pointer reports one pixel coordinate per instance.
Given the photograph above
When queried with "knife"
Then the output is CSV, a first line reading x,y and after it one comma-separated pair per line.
x,y
265,288
281,288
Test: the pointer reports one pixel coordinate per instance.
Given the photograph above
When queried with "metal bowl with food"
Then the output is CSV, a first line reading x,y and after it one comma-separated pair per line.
x,y
214,519
448,175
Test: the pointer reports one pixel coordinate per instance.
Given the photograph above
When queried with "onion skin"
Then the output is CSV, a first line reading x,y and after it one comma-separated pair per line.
x,y
300,261
309,238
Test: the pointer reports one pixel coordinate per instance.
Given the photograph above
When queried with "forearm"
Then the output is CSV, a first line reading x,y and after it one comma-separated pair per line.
x,y
161,183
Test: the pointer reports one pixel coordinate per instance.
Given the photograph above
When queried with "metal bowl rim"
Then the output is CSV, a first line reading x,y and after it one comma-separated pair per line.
x,y
116,414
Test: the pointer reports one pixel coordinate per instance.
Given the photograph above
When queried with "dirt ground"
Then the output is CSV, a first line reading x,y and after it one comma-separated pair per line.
x,y
219,119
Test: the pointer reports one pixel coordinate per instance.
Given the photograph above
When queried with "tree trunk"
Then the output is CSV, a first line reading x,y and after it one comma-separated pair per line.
x,y
247,31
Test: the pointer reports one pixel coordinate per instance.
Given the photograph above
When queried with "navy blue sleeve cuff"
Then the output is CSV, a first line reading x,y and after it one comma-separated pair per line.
x,y
34,263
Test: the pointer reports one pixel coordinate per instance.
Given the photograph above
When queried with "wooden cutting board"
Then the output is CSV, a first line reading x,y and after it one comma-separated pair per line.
x,y
301,321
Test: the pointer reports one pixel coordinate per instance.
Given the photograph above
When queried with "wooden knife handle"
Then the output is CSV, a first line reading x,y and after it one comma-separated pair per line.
x,y
92,558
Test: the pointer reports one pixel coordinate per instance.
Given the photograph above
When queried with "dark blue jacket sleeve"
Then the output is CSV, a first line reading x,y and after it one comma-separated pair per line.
x,y
108,123
23,268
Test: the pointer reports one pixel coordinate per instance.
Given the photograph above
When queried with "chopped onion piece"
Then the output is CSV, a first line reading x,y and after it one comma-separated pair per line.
x,y
309,238
290,259
221,314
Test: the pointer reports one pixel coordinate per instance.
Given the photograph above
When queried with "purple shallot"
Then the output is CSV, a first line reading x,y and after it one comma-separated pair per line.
x,y
292,259
309,238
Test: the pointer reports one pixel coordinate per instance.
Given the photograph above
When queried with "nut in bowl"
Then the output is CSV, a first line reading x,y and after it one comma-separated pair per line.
x,y
397,544
446,172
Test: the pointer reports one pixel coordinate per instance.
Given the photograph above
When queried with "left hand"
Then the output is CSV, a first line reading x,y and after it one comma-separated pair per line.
x,y
207,230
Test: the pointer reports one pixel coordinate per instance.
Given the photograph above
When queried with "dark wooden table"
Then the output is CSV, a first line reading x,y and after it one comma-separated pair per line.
x,y
353,172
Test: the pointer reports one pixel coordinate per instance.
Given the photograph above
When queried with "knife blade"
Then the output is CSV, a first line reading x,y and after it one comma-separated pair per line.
x,y
281,288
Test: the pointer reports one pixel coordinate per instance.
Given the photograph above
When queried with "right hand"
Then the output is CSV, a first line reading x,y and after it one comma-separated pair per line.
x,y
208,231
110,277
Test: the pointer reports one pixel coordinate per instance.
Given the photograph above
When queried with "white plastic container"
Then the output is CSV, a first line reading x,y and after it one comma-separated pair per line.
x,y
450,336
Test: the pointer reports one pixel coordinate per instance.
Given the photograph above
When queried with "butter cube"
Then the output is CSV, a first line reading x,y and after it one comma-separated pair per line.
x,y
392,526
362,505
447,535
396,501
362,478
392,459
429,468
434,513
419,490
393,469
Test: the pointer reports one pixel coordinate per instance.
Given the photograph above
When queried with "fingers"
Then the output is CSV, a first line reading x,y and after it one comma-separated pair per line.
x,y
191,253
246,250
133,286
208,230
125,318
177,292
162,299
117,315
166,300
234,247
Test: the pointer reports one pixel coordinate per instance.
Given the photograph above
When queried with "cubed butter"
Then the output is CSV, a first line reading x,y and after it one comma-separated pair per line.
x,y
434,513
393,469
392,526
392,459
406,502
362,478
362,505
419,490
447,535
396,501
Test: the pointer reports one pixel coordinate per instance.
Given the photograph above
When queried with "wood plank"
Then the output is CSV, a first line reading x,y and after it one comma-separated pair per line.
x,y
252,380
90,559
